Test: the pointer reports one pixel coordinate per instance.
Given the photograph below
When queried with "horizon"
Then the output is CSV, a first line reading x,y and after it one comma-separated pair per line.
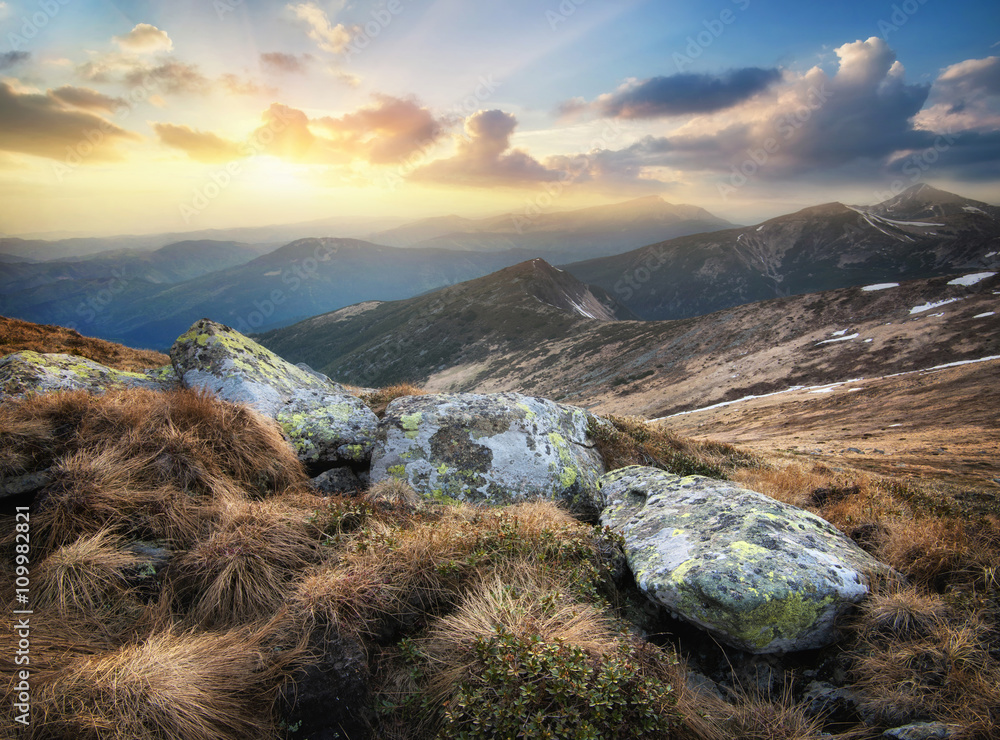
x,y
130,117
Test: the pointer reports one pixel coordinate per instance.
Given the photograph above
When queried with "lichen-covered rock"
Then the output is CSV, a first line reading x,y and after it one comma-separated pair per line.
x,y
322,420
492,448
32,372
328,428
758,574
237,369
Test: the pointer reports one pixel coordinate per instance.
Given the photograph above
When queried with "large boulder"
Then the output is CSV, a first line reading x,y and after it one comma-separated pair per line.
x,y
493,448
759,575
32,372
324,422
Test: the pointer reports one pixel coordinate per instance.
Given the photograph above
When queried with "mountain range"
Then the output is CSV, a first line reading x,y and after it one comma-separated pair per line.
x,y
920,233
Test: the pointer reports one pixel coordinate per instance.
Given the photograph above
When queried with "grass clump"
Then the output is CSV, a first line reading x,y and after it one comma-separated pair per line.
x,y
624,441
519,658
378,400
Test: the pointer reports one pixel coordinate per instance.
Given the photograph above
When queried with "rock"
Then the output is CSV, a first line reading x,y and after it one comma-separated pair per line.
x,y
493,448
338,480
330,697
329,428
758,574
32,372
27,483
322,420
922,731
832,703
237,369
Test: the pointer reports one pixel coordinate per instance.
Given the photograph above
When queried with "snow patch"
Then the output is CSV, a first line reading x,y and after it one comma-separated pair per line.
x,y
973,209
991,254
838,339
880,286
840,333
971,279
929,306
762,226
984,315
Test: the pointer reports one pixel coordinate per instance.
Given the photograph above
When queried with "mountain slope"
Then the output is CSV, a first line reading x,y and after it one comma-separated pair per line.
x,y
921,233
496,334
587,232
514,311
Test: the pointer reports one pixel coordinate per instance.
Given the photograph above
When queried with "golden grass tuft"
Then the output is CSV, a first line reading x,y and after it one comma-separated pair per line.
x,y
170,686
630,440
379,399
17,335
242,571
90,578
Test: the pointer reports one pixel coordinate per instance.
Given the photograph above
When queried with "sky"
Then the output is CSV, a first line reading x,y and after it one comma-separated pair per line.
x,y
147,116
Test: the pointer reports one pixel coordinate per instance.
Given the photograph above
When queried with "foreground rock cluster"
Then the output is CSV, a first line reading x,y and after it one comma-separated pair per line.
x,y
759,575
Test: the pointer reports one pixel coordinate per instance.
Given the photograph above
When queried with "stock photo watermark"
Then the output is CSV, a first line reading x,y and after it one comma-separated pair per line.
x,y
785,126
714,28
21,677
901,14
33,23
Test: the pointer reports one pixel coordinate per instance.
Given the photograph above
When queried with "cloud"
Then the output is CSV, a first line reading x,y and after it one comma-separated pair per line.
x,y
854,119
386,132
236,85
278,62
681,94
13,58
485,157
44,126
329,37
86,98
144,39
201,146
965,97
170,77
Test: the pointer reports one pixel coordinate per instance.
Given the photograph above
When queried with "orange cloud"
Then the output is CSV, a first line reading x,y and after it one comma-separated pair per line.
x,y
144,39
201,146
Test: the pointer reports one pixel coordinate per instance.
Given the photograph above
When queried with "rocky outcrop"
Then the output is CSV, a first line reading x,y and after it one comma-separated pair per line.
x,y
491,448
32,372
758,574
325,423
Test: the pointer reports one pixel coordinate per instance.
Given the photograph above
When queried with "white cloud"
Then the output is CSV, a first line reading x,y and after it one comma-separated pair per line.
x,y
144,39
329,37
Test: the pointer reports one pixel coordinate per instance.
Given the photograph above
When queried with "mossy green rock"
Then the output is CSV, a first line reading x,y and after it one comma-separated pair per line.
x,y
32,372
490,448
322,420
760,575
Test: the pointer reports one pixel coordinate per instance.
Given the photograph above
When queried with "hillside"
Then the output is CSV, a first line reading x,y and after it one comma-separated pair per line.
x,y
921,233
16,336
598,231
482,321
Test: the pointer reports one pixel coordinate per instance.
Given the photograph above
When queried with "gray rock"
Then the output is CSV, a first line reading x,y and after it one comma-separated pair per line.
x,y
27,483
922,731
759,575
27,372
322,420
338,480
493,448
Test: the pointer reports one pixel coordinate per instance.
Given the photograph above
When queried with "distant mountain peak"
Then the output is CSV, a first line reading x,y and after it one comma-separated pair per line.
x,y
923,193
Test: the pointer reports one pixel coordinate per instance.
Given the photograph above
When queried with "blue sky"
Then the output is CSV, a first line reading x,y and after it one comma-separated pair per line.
x,y
216,113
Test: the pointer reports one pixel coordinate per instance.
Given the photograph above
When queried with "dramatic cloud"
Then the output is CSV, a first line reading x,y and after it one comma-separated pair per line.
x,y
279,63
236,85
485,158
683,94
859,116
966,96
329,37
86,98
199,145
44,126
144,39
386,132
13,58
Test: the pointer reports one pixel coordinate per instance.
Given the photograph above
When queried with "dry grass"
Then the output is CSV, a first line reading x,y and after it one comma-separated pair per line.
x,y
631,440
757,716
17,335
148,464
90,579
170,686
379,399
242,571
